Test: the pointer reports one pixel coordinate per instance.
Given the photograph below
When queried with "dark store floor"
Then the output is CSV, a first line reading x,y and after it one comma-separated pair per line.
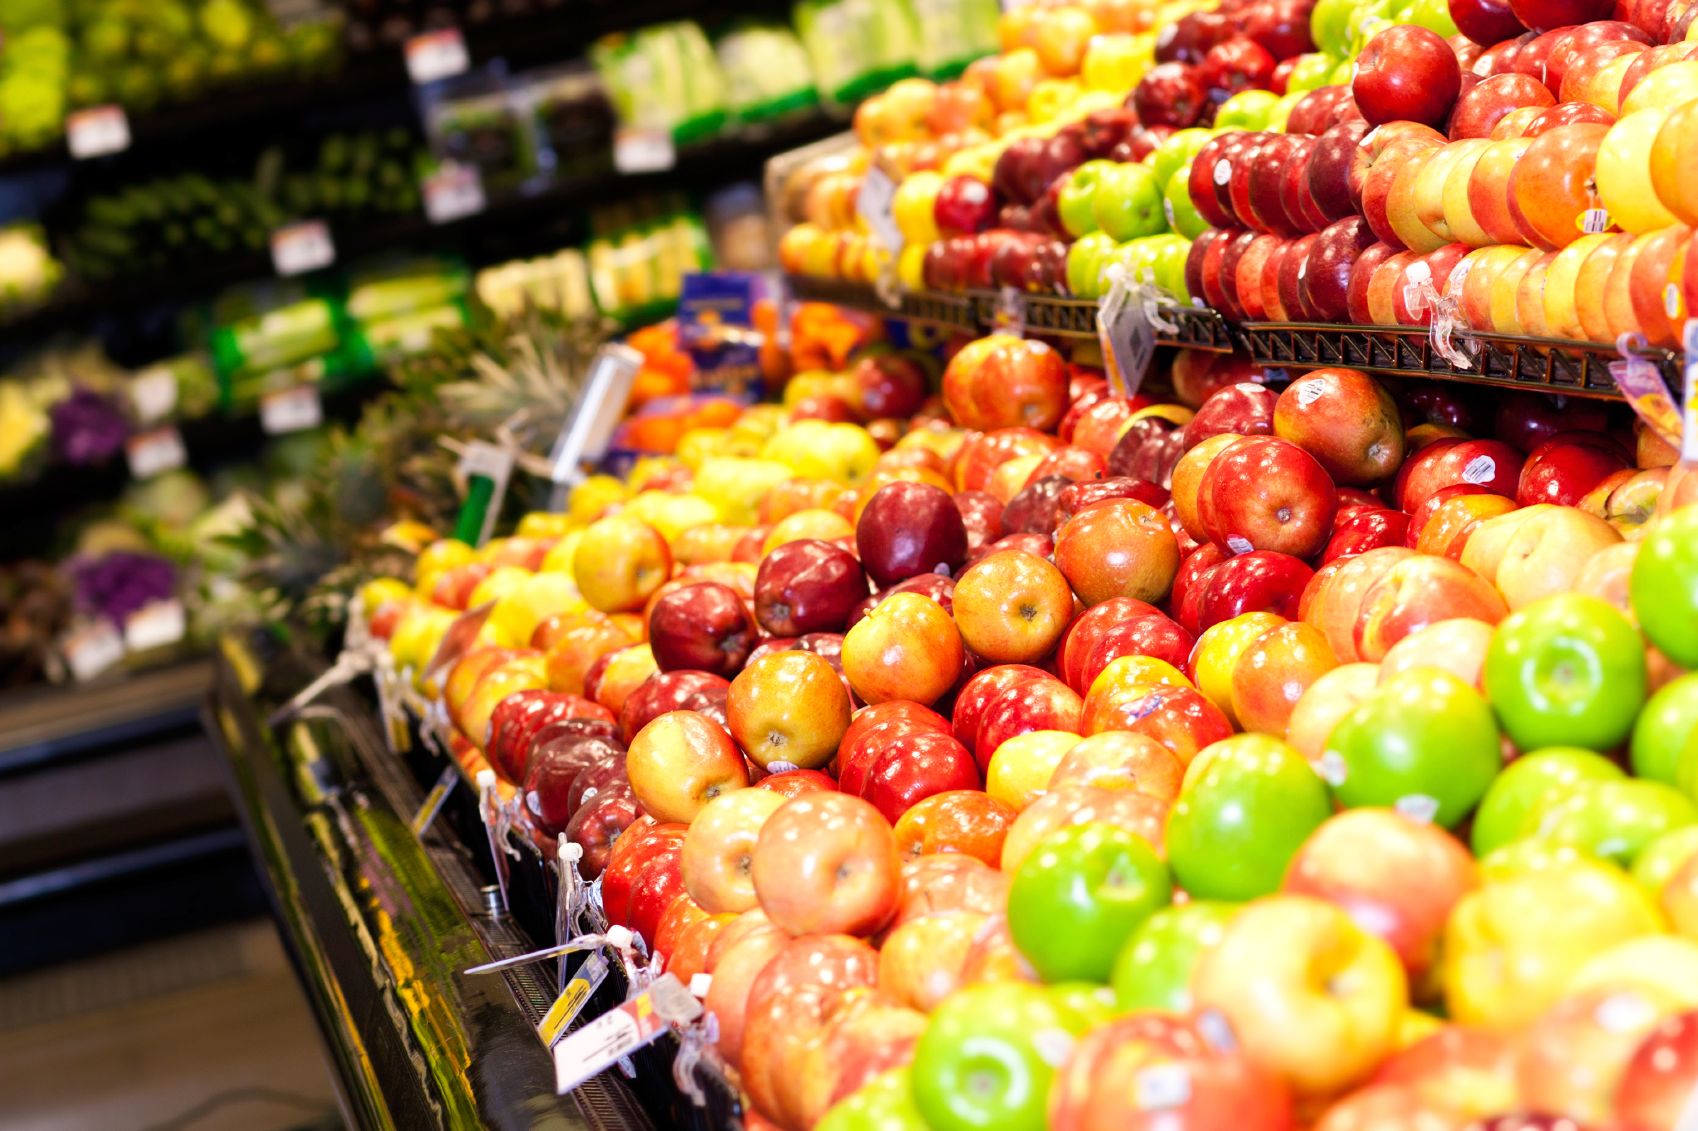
x,y
202,1032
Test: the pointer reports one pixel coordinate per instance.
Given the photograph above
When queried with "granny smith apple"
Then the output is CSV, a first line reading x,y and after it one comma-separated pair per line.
x,y
1127,203
884,1103
1078,896
1345,73
1311,71
1664,586
1074,203
1182,215
1361,17
1246,805
1567,669
1328,26
1434,15
1666,854
1246,110
988,1057
1176,149
1086,259
1506,812
1281,112
1092,1003
1664,727
1423,742
1615,820
1153,970
1138,257
1170,255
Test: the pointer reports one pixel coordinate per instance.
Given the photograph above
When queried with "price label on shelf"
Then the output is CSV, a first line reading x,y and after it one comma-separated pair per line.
x,y
571,1001
874,203
453,192
92,649
291,410
620,1032
155,452
445,783
153,393
155,625
643,149
97,131
437,55
1125,333
302,247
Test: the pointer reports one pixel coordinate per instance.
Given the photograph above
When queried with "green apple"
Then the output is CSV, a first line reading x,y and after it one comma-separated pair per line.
x,y
1311,72
1086,259
1176,149
1092,1003
1153,970
1526,856
884,1103
1345,73
1246,110
1434,15
1074,204
1686,768
1079,895
1138,257
1423,742
1328,26
1376,15
1614,820
1170,255
1529,784
1665,855
1182,215
1567,669
988,1056
1127,203
1245,807
1664,727
1281,111
1664,586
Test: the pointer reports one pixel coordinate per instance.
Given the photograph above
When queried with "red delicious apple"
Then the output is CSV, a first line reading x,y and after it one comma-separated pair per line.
x,y
1406,73
1360,529
1260,581
673,691
1245,409
1264,493
701,627
1486,22
807,586
1169,94
909,528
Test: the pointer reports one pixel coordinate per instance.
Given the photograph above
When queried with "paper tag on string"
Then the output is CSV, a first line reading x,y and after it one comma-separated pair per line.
x,y
437,55
643,149
570,1003
1124,332
155,625
453,192
874,203
302,247
291,410
155,452
1647,394
97,131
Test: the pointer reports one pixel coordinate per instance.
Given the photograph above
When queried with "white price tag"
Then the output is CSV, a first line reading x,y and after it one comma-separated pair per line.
x,y
874,205
437,55
153,393
155,625
452,192
155,452
302,247
619,1032
642,149
92,649
1009,317
291,410
571,1001
97,131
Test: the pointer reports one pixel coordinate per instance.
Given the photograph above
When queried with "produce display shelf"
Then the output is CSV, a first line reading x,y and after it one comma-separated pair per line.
x,y
699,167
41,725
383,924
558,31
1503,360
932,307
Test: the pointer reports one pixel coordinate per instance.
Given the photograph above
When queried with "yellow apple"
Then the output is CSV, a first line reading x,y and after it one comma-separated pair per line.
x,y
1623,171
1669,85
1217,651
1674,155
811,522
1020,769
1324,705
1536,551
911,207
1562,315
533,600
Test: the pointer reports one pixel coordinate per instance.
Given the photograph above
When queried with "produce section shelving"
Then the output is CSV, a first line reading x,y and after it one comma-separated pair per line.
x,y
1502,361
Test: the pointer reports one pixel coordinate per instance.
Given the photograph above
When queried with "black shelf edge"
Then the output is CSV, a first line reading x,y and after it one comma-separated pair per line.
x,y
47,724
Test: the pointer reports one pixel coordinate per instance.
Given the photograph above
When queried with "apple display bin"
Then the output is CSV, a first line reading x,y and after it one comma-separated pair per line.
x,y
381,924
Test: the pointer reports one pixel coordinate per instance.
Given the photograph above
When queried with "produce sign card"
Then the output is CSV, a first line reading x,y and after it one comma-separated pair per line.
x,y
643,149
716,316
453,192
291,410
299,248
97,131
437,55
155,452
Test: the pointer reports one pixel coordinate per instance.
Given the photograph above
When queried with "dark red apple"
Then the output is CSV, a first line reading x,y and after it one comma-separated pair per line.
x,y
1246,409
1260,581
807,586
1326,279
702,627
909,528
1169,95
1406,73
673,691
1359,529
1565,468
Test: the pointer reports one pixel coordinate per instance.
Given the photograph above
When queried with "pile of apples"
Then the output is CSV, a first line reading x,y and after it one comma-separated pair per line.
x,y
1023,756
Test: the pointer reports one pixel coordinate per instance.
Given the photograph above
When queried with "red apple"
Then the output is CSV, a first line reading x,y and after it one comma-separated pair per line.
x,y
826,862
1406,73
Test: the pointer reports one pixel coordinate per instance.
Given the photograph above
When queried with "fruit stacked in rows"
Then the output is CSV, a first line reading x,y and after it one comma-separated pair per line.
x,y
1270,756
